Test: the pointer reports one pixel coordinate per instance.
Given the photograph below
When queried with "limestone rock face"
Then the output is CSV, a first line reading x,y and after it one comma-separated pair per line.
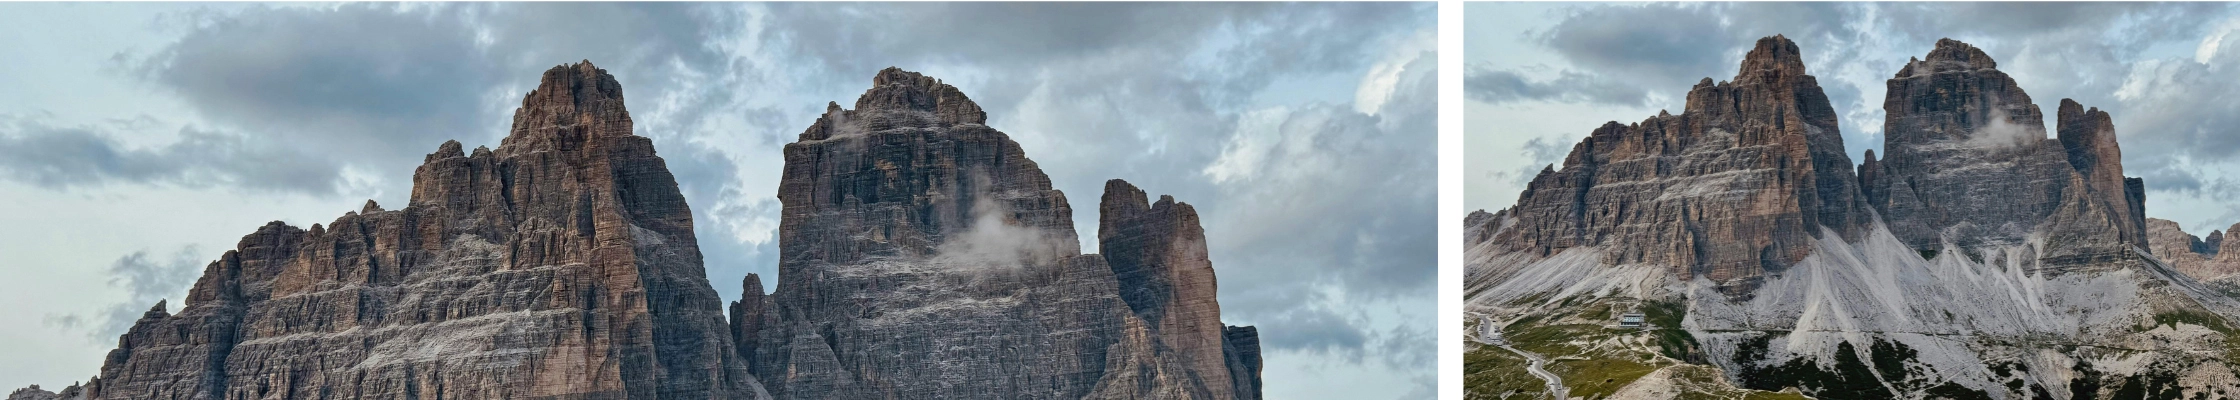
x,y
1158,253
924,256
1736,187
560,265
2204,260
1995,245
1968,162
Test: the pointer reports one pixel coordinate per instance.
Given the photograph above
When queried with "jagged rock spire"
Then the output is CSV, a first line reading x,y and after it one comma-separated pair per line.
x,y
1158,253
571,103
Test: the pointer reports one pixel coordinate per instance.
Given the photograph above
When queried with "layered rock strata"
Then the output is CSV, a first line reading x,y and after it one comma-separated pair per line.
x,y
1736,187
1158,253
2212,260
923,255
1980,259
560,265
1968,162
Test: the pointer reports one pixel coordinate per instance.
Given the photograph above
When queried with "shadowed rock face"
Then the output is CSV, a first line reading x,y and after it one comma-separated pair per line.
x,y
924,256
1734,188
560,265
1158,253
1968,161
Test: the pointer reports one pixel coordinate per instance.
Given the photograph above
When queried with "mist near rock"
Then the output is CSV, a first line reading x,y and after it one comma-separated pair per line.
x,y
994,240
2000,132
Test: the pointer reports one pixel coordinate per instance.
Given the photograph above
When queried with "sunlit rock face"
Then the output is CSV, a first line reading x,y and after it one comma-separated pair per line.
x,y
923,255
1734,188
560,265
2212,260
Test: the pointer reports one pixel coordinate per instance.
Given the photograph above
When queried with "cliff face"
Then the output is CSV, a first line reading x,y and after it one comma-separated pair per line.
x,y
560,265
924,256
2212,260
1968,162
1734,188
1158,253
1973,240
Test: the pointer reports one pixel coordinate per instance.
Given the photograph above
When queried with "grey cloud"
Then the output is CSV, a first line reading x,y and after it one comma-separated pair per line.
x,y
1675,45
2020,20
1313,330
379,85
145,279
87,157
2164,176
1660,43
1544,151
633,34
1345,170
361,81
2183,108
1025,39
930,32
1493,86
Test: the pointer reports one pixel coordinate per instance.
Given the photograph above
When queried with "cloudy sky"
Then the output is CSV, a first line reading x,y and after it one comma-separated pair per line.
x,y
1541,76
140,141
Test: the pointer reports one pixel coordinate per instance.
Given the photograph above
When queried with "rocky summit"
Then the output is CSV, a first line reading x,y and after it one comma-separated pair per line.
x,y
1975,258
560,265
1968,164
1737,187
922,256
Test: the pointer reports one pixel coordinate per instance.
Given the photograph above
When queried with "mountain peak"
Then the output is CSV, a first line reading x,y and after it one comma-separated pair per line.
x,y
895,89
572,102
1775,53
1950,55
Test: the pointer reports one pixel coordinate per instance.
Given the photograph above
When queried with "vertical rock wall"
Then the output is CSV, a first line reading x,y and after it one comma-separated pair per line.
x,y
923,255
561,265
1734,188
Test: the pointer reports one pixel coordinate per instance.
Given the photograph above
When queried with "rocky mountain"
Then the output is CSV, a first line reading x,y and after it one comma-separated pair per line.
x,y
2212,260
1977,259
923,256
561,264
1736,188
1968,161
